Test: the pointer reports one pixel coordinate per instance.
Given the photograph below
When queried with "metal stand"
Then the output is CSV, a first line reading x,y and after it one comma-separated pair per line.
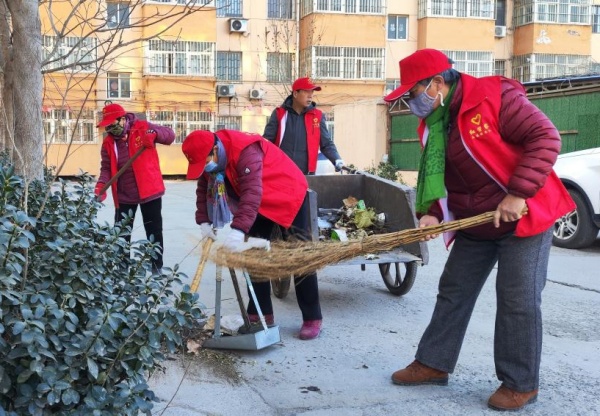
x,y
253,341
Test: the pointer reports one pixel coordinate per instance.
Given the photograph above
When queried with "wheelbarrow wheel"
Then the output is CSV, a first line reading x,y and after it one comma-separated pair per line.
x,y
281,287
400,283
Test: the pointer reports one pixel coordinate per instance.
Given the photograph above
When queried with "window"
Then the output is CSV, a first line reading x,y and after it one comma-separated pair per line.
x,y
391,85
279,67
180,58
552,11
118,85
397,27
330,123
500,12
334,62
342,6
456,8
539,66
475,63
500,67
117,15
73,53
229,8
182,122
229,122
595,19
229,66
66,126
281,9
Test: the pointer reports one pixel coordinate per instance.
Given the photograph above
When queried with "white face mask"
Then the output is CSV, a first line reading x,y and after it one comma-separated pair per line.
x,y
422,105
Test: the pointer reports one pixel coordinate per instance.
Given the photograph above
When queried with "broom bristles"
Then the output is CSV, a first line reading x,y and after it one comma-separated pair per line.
x,y
299,258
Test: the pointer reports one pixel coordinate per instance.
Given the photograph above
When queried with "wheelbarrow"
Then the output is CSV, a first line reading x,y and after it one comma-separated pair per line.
x,y
398,267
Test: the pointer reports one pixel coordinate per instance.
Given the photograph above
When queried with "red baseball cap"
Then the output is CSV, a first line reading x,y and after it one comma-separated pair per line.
x,y
422,64
304,84
110,114
196,147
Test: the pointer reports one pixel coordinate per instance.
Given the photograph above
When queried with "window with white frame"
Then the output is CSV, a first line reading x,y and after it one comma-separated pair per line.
x,y
500,67
69,53
229,8
342,6
281,9
539,66
482,9
500,12
391,85
595,19
63,125
229,66
552,11
279,66
229,123
184,2
336,62
118,85
117,14
475,63
180,57
397,27
182,122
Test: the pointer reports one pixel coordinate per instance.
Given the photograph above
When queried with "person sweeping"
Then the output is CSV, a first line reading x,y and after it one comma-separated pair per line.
x,y
263,189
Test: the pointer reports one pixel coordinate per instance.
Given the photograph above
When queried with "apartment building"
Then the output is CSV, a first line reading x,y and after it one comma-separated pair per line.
x,y
231,62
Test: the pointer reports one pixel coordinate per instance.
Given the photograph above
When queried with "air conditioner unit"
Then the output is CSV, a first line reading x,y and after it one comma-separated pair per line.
x,y
500,31
238,25
256,94
225,90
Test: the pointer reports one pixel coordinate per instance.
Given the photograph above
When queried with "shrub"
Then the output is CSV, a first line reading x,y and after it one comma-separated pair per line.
x,y
386,170
83,321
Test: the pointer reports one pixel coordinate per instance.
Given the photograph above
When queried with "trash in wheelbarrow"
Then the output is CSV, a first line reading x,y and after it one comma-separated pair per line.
x,y
353,221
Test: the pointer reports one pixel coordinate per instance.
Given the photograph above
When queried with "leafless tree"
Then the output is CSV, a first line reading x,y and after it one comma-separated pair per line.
x,y
26,56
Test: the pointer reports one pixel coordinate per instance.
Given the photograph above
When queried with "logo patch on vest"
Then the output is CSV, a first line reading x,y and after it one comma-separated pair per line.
x,y
316,122
482,128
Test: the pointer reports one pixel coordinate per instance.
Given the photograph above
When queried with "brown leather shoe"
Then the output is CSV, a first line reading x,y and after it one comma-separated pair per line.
x,y
416,374
508,399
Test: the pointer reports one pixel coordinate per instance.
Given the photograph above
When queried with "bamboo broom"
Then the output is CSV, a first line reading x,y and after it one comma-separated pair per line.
x,y
298,258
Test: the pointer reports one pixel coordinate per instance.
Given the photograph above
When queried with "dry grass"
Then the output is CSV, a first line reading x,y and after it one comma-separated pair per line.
x,y
298,258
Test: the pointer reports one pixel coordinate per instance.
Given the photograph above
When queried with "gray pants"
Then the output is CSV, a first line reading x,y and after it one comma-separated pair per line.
x,y
521,277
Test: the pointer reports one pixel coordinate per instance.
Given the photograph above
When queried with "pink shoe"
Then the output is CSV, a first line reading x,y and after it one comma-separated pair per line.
x,y
310,329
255,319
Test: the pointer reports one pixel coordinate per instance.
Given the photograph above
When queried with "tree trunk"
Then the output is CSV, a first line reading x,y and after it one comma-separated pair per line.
x,y
23,83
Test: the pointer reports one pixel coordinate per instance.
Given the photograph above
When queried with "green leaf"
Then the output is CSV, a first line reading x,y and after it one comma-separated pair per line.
x,y
92,368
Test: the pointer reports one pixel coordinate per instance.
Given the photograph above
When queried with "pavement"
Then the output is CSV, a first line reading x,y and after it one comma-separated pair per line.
x,y
367,335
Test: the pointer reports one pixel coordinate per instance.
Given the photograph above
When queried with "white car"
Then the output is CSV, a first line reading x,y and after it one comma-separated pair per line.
x,y
580,173
324,166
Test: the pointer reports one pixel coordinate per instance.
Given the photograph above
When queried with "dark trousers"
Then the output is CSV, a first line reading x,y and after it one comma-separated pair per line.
x,y
152,217
521,277
307,287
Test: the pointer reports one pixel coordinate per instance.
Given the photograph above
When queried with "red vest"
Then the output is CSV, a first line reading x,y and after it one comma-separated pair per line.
x,y
146,168
284,185
312,122
479,131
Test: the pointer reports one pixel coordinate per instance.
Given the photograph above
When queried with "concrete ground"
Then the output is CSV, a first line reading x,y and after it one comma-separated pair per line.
x,y
368,334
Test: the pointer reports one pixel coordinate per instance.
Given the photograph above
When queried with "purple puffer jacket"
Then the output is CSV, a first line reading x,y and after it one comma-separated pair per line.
x,y
470,190
250,186
127,189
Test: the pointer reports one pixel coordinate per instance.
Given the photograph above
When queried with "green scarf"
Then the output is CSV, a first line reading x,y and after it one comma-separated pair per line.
x,y
430,182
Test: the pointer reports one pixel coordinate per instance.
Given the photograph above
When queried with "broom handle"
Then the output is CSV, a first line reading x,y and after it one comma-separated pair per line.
x,y
238,295
198,276
120,172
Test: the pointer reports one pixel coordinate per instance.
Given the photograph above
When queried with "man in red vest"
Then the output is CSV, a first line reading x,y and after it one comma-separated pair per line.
x,y
299,129
486,147
141,183
263,188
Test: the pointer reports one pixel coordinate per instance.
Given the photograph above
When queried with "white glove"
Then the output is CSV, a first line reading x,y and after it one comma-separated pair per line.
x,y
236,244
339,164
234,241
207,231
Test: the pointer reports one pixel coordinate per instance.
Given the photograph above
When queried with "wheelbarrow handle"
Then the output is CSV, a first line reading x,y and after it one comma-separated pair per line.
x,y
349,170
120,172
